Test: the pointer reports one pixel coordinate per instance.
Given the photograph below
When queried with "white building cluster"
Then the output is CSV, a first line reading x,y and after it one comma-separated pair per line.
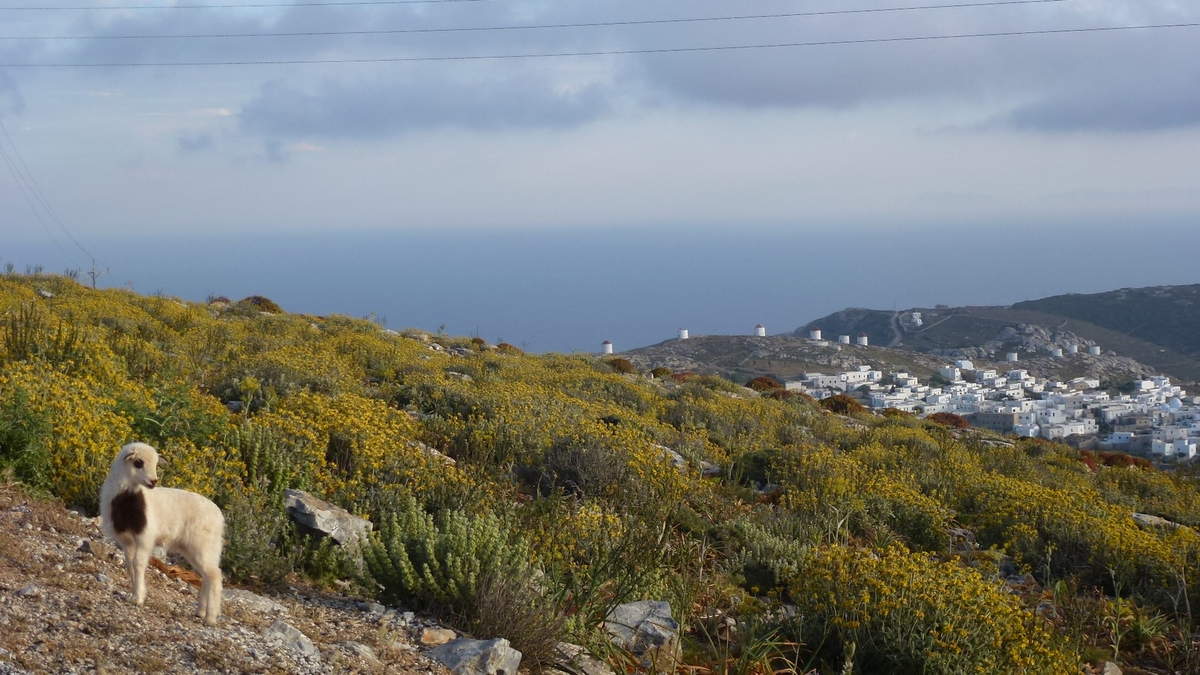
x,y
1157,418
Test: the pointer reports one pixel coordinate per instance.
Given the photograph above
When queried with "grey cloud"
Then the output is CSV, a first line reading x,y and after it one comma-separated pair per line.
x,y
1104,81
378,108
1168,101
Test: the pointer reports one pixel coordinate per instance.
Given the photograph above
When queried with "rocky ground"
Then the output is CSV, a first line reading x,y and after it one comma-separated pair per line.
x,y
64,607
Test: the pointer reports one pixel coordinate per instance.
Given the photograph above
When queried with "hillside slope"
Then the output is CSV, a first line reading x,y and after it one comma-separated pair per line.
x,y
1153,326
741,358
548,499
1163,315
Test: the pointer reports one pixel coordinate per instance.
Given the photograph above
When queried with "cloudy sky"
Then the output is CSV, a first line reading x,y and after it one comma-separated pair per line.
x,y
1096,130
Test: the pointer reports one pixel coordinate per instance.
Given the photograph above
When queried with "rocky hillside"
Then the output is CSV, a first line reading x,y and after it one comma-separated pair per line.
x,y
1152,326
1168,316
786,356
555,502
64,607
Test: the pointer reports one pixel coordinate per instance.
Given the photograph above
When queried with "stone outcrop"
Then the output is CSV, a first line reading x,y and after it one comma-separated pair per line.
x,y
646,630
320,517
465,656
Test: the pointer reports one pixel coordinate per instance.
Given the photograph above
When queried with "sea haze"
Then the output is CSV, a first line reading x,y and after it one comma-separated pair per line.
x,y
568,291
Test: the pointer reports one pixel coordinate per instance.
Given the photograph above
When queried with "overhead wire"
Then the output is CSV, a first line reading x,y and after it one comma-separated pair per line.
x,y
23,190
257,5
603,52
39,196
584,24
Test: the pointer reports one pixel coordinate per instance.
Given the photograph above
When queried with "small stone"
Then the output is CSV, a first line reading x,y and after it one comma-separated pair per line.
x,y
432,637
292,639
1111,668
408,617
362,651
29,591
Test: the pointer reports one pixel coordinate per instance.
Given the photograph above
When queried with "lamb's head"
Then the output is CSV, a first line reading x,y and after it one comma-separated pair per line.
x,y
136,464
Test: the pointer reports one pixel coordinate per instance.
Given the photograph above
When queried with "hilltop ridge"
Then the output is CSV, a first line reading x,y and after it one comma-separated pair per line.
x,y
1157,326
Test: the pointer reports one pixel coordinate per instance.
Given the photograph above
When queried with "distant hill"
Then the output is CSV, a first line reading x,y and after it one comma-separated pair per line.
x,y
742,357
1158,327
1168,316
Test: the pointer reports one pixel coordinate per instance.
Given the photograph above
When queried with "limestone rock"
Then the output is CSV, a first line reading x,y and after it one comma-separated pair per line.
x,y
478,657
646,630
292,639
1147,520
321,517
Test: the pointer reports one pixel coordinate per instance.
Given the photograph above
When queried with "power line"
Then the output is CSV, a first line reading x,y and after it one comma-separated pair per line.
x,y
588,24
345,3
40,197
604,52
23,190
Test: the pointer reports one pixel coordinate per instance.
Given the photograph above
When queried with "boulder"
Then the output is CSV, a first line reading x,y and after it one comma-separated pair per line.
x,y
677,460
710,470
1110,668
465,656
1147,520
325,519
646,630
292,639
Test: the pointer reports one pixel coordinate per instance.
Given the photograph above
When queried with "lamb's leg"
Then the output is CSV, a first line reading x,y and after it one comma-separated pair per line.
x,y
210,593
137,570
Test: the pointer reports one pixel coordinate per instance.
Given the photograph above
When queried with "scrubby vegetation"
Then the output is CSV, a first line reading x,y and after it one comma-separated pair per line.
x,y
831,538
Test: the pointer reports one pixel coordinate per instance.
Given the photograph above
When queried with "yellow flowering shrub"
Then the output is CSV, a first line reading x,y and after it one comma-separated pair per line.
x,y
906,612
348,443
85,427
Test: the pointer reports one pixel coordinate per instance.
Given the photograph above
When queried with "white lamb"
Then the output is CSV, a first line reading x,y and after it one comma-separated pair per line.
x,y
139,517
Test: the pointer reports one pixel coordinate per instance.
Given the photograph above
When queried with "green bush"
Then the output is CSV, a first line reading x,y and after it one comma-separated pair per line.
x,y
22,431
470,567
260,542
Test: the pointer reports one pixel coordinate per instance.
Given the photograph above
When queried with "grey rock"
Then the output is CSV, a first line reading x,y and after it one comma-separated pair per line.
x,y
321,517
710,470
360,650
465,656
253,601
576,659
677,460
431,452
459,376
1147,520
45,293
1111,668
646,630
29,591
292,639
